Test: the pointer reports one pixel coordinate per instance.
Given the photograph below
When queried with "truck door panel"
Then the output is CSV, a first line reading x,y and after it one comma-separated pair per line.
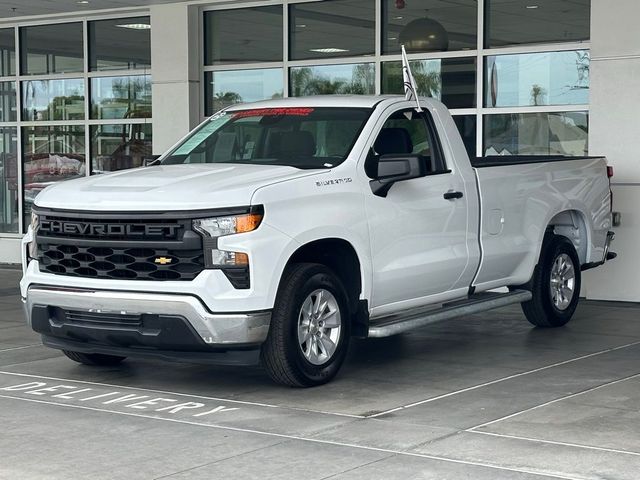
x,y
418,238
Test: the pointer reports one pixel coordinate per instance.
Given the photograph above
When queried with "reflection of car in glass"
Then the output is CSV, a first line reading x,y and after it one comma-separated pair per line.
x,y
276,231
44,169
131,148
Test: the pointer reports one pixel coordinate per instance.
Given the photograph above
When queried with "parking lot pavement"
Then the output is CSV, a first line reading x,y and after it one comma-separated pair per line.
x,y
482,397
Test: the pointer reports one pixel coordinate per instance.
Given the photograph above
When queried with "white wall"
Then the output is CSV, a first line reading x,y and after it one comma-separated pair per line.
x,y
614,131
175,72
9,250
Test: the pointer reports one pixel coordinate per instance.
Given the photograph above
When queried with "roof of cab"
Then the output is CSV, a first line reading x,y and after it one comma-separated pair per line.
x,y
355,101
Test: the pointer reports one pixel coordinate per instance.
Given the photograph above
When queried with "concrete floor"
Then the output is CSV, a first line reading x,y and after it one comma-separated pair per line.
x,y
483,397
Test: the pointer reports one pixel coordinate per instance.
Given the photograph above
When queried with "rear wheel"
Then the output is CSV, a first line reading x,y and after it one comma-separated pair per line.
x,y
94,359
310,328
555,285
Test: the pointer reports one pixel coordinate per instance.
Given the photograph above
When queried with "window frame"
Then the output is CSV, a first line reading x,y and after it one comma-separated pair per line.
x,y
431,130
480,53
20,123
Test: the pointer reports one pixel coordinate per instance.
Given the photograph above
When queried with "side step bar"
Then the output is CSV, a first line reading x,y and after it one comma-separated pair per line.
x,y
416,318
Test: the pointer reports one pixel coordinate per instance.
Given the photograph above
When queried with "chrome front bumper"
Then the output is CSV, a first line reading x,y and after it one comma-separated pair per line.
x,y
223,329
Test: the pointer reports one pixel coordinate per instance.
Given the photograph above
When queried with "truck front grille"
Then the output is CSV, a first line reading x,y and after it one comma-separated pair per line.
x,y
109,247
120,263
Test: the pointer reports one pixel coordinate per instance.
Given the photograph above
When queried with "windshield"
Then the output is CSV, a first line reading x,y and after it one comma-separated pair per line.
x,y
297,137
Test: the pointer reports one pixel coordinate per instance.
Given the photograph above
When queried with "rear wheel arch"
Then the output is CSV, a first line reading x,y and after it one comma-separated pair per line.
x,y
573,225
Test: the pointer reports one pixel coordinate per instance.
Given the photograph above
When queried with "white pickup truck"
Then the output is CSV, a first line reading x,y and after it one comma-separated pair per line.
x,y
275,231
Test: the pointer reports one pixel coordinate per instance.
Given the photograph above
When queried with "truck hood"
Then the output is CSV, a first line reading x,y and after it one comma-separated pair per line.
x,y
167,187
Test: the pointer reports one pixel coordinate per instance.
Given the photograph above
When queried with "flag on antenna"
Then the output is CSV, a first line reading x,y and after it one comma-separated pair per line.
x,y
410,91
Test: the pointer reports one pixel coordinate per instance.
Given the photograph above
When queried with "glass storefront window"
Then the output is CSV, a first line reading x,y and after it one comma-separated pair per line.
x,y
51,49
555,133
120,44
356,78
552,78
8,101
8,180
50,154
542,21
333,28
7,52
117,147
53,99
243,35
429,25
226,88
451,80
121,97
467,126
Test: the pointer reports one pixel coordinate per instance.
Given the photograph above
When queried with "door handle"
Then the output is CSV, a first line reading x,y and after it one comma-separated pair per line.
x,y
452,195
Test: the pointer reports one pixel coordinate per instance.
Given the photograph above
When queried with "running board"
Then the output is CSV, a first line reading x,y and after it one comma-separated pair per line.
x,y
416,318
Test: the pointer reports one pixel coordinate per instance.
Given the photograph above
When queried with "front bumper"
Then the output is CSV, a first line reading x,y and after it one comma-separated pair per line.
x,y
138,322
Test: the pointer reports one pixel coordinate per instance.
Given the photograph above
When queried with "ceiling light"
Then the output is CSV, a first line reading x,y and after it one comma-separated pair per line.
x,y
135,26
82,2
424,35
328,50
399,17
532,7
302,25
393,38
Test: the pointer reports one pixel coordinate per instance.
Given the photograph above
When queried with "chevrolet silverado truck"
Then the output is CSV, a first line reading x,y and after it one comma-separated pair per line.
x,y
276,231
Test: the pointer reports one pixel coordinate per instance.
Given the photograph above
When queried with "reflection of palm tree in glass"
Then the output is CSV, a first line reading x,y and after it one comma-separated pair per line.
x,y
224,99
428,82
583,60
133,91
362,80
304,81
300,78
537,94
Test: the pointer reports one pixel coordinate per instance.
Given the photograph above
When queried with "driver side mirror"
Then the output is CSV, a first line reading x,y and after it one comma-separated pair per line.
x,y
396,168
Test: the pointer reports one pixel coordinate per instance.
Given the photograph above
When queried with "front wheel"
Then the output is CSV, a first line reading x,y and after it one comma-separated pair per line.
x,y
555,285
310,328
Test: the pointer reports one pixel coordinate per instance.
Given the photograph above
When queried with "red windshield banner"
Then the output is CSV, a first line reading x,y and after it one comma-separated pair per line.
x,y
264,112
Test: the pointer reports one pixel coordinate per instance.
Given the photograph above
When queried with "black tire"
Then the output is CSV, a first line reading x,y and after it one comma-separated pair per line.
x,y
541,310
282,355
94,359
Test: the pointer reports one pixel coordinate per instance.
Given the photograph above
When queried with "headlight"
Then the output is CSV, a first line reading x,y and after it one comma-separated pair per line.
x,y
235,265
220,226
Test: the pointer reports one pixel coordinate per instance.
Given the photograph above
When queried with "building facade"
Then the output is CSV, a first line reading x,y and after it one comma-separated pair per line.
x,y
86,91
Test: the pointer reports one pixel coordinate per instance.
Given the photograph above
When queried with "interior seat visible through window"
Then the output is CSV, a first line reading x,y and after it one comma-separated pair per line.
x,y
404,133
393,141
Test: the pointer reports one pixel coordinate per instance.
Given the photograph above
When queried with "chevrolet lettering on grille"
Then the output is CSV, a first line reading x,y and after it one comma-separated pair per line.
x,y
106,229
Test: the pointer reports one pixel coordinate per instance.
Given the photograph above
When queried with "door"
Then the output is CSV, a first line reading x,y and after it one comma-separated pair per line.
x,y
418,231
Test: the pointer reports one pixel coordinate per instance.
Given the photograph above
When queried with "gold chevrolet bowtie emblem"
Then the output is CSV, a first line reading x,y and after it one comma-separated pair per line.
x,y
163,260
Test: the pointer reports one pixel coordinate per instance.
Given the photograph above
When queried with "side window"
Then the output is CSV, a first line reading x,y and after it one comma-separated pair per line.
x,y
406,132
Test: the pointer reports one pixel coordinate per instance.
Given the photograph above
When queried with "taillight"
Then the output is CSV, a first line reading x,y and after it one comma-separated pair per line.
x,y
609,171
